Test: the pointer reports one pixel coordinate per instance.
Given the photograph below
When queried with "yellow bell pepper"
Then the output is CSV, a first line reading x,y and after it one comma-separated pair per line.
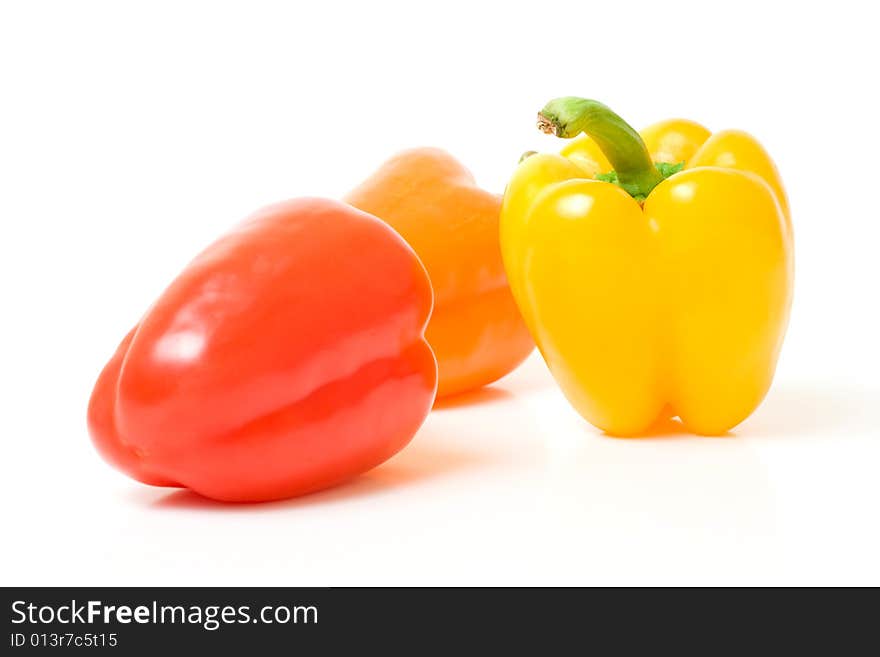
x,y
655,272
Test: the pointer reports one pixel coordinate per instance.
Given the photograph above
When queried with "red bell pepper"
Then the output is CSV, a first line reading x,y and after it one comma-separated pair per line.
x,y
287,357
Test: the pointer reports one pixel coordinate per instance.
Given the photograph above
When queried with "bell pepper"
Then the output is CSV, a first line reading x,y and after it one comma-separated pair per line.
x,y
655,273
476,330
287,357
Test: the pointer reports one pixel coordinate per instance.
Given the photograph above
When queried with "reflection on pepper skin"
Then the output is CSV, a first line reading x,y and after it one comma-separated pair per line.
x,y
287,357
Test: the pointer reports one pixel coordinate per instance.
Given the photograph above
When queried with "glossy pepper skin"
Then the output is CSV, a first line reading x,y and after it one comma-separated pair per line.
x,y
476,330
287,357
651,298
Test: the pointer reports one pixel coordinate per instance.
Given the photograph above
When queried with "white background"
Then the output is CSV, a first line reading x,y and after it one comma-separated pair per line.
x,y
132,134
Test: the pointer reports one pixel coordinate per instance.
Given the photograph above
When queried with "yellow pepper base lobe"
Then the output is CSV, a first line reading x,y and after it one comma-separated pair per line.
x,y
591,294
678,308
725,271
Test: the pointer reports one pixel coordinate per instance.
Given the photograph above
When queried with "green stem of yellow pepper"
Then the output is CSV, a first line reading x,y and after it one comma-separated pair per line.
x,y
568,117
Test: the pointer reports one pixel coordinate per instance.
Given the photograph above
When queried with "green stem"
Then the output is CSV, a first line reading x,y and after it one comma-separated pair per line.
x,y
568,117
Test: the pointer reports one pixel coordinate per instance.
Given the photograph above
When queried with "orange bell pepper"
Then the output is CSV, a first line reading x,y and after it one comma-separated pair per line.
x,y
476,330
